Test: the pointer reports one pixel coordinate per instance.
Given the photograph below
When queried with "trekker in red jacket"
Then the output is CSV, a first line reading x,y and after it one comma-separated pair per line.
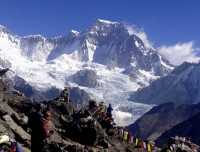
x,y
40,133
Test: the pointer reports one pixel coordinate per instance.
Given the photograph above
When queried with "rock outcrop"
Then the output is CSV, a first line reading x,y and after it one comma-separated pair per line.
x,y
86,78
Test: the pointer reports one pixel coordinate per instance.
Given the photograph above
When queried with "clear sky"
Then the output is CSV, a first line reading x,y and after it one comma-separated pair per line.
x,y
167,23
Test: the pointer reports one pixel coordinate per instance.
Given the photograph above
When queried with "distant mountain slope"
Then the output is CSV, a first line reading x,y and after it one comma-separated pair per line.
x,y
162,118
182,85
188,128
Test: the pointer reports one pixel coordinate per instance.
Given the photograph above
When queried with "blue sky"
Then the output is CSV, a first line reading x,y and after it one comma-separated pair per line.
x,y
168,24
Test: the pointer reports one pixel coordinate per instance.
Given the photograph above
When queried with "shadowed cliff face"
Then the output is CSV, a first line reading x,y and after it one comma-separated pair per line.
x,y
162,118
188,128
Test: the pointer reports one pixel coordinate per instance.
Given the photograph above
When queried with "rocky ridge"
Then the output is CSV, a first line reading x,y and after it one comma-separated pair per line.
x,y
14,109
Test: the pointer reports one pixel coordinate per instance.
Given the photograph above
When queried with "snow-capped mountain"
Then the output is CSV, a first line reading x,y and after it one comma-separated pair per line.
x,y
181,86
121,61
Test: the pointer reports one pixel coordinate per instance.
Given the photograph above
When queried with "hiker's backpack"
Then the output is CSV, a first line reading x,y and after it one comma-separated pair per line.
x,y
15,147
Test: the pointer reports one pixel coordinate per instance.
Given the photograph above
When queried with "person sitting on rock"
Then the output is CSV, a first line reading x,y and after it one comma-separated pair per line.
x,y
102,112
64,95
109,124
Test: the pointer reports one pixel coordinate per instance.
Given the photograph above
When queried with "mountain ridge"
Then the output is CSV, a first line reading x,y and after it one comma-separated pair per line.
x,y
180,86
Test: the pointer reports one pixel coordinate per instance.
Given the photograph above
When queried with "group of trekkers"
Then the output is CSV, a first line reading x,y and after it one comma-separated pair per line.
x,y
89,116
103,115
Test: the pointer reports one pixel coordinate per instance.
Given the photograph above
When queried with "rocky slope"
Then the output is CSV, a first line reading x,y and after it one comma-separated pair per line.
x,y
14,109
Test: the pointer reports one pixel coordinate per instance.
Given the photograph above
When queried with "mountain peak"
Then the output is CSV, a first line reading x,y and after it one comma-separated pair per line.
x,y
106,21
74,32
105,27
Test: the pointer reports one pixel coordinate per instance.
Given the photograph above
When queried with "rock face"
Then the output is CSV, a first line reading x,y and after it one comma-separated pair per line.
x,y
162,118
86,78
181,86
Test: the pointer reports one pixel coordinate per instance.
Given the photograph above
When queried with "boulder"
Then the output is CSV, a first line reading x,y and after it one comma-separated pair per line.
x,y
22,135
5,129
